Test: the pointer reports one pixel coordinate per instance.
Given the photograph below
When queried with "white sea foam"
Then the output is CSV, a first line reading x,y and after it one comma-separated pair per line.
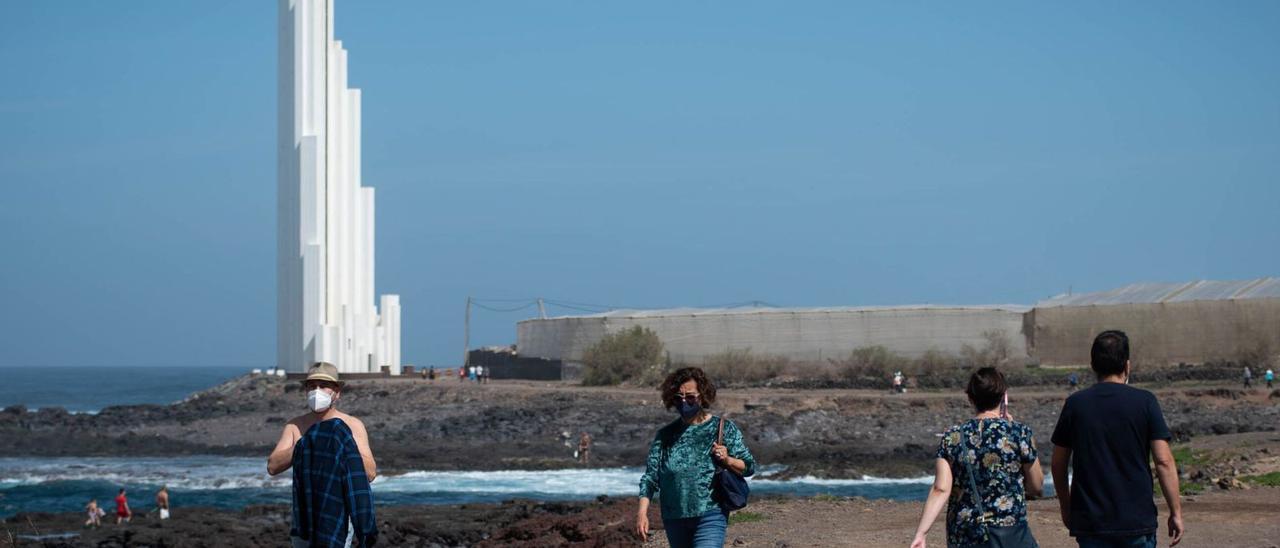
x,y
210,473
187,473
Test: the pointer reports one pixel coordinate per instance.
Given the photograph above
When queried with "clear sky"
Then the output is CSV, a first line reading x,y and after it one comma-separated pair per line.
x,y
642,154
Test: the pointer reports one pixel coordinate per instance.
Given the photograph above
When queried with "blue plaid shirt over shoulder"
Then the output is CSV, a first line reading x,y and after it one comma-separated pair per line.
x,y
330,488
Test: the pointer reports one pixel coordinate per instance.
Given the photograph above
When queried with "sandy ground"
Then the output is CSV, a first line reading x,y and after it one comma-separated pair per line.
x,y
1244,518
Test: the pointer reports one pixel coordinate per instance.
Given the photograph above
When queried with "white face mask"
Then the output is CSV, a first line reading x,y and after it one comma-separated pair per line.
x,y
319,400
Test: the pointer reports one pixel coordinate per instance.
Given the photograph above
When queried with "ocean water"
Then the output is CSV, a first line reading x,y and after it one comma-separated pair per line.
x,y
89,389
66,484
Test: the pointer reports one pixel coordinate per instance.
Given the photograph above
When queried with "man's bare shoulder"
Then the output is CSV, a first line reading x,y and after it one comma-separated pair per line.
x,y
356,425
301,422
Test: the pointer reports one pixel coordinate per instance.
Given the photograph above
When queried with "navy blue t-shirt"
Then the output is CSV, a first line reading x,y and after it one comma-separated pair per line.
x,y
1109,428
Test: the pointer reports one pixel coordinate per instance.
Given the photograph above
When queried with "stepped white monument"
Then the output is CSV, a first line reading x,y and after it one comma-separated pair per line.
x,y
325,295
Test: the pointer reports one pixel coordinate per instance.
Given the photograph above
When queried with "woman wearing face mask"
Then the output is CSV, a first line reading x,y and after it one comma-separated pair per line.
x,y
682,460
322,390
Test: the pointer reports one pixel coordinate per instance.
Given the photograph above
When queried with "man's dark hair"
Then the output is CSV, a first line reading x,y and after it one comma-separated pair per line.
x,y
671,386
986,388
1109,354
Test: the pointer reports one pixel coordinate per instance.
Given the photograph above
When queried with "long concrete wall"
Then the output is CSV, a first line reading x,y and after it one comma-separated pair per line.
x,y
800,334
1159,333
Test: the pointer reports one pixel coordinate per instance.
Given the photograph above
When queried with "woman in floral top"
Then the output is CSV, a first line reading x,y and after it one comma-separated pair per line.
x,y
1001,454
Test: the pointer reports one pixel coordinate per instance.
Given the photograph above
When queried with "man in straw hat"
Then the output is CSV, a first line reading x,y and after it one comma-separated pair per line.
x,y
332,468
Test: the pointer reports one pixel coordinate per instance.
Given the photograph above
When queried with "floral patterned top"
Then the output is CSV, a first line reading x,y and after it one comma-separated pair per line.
x,y
997,448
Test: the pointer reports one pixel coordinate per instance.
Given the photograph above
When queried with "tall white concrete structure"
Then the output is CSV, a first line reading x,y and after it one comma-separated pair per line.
x,y
325,294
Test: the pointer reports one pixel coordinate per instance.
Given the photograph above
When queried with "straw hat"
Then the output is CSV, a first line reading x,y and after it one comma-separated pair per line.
x,y
323,371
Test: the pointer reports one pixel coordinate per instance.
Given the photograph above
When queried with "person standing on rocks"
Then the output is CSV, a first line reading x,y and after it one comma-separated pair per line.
x,y
332,464
1109,433
997,456
682,461
95,514
1248,377
162,502
584,448
122,508
1270,376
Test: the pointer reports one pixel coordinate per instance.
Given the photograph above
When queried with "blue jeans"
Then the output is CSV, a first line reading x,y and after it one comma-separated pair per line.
x,y
1139,541
705,531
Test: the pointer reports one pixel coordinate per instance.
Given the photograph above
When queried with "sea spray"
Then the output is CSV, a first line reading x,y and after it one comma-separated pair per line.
x,y
67,483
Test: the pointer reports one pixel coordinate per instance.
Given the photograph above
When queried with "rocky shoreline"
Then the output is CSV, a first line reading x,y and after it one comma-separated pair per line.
x,y
604,522
450,425
1225,433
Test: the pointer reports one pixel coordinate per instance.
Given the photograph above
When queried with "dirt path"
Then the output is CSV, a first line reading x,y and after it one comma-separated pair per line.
x,y
1248,518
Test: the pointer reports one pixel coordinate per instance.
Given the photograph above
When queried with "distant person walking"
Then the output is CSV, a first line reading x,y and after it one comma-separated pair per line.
x,y
1109,433
431,374
682,461
95,514
162,501
1270,376
480,373
122,508
1073,382
471,373
1248,377
584,448
984,470
897,382
332,467
462,374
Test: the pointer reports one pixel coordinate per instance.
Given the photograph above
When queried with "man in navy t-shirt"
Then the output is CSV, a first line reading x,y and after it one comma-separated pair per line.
x,y
1110,433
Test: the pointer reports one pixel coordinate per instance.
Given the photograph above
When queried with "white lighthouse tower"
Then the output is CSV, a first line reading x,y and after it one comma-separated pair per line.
x,y
324,273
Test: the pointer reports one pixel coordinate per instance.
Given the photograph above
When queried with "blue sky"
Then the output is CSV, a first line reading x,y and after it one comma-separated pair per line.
x,y
642,154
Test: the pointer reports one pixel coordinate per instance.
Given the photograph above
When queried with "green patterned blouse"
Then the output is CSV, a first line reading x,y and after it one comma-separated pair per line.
x,y
680,466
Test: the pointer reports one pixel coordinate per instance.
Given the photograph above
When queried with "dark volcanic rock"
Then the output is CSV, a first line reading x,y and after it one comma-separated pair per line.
x,y
444,425
516,523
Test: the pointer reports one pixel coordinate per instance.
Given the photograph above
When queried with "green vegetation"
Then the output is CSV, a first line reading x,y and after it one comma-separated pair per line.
x,y
633,354
743,516
1269,480
826,497
1189,488
1185,456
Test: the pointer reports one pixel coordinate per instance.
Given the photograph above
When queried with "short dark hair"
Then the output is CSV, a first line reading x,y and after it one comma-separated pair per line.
x,y
986,388
1109,353
671,386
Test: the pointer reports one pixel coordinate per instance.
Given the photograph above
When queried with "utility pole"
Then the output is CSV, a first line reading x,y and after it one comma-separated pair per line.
x,y
542,309
466,335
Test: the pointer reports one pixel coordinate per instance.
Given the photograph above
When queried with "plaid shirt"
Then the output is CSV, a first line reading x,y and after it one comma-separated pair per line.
x,y
330,488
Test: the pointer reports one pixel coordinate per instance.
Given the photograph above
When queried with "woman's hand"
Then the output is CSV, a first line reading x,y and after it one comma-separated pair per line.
x,y
720,452
918,542
642,525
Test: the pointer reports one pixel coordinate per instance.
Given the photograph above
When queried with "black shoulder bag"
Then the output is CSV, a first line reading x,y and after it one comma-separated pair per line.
x,y
727,487
1010,536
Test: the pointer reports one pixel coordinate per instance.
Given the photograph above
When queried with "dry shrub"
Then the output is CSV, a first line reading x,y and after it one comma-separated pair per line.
x,y
1257,352
995,351
740,365
819,371
936,362
869,361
